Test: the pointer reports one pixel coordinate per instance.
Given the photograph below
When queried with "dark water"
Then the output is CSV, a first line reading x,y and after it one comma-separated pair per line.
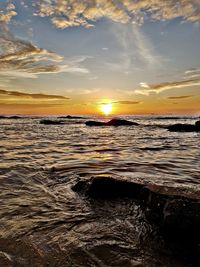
x,y
44,223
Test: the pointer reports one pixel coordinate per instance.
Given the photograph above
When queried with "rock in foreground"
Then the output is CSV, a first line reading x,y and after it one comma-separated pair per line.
x,y
175,214
113,122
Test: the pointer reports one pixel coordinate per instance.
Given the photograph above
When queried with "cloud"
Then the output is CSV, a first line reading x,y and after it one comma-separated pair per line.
x,y
121,102
127,102
146,89
64,14
192,73
180,97
38,96
7,12
71,13
20,58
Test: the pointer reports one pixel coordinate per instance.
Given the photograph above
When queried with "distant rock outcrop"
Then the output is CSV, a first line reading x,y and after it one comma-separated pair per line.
x,y
50,122
113,122
14,117
184,127
71,117
2,117
95,123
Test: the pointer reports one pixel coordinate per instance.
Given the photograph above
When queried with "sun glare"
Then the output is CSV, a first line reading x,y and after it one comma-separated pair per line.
x,y
106,108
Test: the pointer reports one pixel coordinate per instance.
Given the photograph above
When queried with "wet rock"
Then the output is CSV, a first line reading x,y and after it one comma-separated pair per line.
x,y
175,215
113,122
14,117
184,127
197,125
95,123
3,117
120,122
108,188
71,117
50,122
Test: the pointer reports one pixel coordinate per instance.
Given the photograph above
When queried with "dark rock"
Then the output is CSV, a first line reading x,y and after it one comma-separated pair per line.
x,y
197,125
50,122
95,123
108,188
120,122
182,128
3,117
175,215
71,117
113,122
14,117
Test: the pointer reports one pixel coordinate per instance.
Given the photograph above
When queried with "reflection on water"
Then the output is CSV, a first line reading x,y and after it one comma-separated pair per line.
x,y
44,223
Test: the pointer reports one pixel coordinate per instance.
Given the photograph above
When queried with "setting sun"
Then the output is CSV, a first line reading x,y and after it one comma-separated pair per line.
x,y
106,108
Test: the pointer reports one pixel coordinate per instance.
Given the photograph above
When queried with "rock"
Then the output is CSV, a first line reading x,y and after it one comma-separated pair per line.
x,y
3,117
120,122
14,117
175,215
50,122
71,117
182,128
95,123
113,122
108,188
197,125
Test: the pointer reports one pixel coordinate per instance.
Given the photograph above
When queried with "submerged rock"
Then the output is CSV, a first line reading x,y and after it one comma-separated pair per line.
x,y
113,122
50,122
184,127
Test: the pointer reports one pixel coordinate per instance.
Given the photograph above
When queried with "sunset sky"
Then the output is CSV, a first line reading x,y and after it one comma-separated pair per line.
x,y
69,57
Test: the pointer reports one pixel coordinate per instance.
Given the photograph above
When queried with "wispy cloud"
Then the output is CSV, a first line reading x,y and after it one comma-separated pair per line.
x,y
146,89
120,102
20,58
192,73
135,49
38,96
126,102
180,97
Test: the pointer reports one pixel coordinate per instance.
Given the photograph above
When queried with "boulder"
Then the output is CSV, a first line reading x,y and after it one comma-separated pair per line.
x,y
197,125
95,123
3,117
108,188
71,117
175,215
113,122
50,122
15,117
182,128
120,122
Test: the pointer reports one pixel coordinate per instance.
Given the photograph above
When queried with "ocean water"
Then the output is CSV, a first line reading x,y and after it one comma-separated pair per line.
x,y
44,223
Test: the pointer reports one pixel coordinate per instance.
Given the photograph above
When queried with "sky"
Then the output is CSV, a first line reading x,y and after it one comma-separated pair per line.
x,y
72,57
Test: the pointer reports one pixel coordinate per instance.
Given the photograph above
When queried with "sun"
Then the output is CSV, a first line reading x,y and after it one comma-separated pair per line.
x,y
106,108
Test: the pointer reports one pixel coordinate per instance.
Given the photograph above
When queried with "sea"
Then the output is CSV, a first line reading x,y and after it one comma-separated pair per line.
x,y
43,222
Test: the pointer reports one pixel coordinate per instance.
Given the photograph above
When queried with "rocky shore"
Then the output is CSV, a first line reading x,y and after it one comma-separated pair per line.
x,y
175,211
